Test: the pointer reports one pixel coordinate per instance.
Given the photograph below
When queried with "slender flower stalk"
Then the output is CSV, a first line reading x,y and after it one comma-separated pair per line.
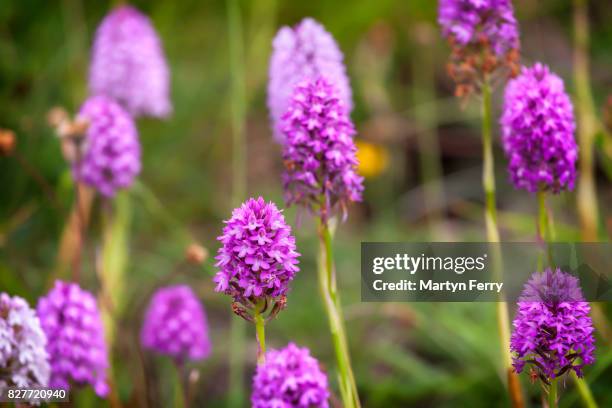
x,y
108,160
488,166
425,101
485,50
239,182
116,219
588,208
72,135
333,307
320,175
544,226
261,336
238,101
584,390
552,393
587,124
488,182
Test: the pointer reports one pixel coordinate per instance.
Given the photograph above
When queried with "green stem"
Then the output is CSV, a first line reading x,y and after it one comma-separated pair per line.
x,y
545,228
552,393
488,183
181,396
238,114
488,171
238,104
425,103
260,328
584,391
587,124
331,301
542,216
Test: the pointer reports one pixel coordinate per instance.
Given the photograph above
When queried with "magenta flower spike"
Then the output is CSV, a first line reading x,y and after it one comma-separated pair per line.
x,y
553,332
484,38
77,350
304,51
24,361
538,132
175,325
128,64
319,152
258,259
111,150
290,378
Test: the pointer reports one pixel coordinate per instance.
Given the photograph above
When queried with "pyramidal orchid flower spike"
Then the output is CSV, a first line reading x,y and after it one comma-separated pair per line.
x,y
175,324
290,378
24,361
484,38
304,51
257,259
77,350
111,150
538,132
319,152
553,332
128,64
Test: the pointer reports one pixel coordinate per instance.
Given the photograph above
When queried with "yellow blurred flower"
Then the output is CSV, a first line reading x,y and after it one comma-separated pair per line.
x,y
373,159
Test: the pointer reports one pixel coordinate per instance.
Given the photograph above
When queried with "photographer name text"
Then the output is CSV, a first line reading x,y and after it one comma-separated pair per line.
x,y
423,263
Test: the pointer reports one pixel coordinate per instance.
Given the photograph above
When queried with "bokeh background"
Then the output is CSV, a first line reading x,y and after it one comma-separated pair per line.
x,y
420,152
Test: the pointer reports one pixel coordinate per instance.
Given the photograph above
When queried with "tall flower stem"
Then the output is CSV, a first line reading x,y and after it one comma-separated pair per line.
x,y
584,391
261,337
587,124
488,182
331,301
587,127
181,398
545,226
425,101
552,393
238,113
488,171
542,216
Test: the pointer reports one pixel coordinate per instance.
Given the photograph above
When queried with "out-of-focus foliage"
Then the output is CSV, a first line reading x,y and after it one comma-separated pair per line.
x,y
443,355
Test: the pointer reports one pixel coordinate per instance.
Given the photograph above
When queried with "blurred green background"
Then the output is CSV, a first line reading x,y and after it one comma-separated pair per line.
x,y
442,355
